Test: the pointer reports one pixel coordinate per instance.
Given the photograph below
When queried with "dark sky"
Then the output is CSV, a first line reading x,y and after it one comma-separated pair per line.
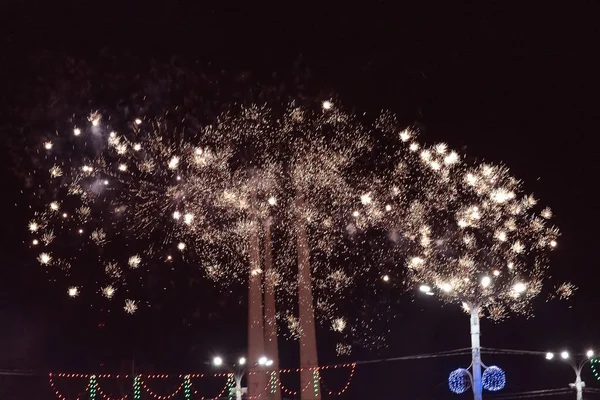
x,y
511,83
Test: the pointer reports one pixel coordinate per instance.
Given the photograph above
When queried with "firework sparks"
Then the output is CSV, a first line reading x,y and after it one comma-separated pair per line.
x,y
134,261
464,230
130,306
44,258
108,292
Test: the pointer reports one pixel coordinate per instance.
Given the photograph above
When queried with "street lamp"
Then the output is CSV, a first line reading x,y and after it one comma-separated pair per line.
x,y
239,370
577,367
491,378
217,361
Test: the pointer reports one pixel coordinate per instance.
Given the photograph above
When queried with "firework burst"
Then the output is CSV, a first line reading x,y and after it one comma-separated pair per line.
x,y
145,193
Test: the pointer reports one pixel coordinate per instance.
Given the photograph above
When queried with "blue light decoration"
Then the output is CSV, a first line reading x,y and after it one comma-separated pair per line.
x,y
493,379
459,381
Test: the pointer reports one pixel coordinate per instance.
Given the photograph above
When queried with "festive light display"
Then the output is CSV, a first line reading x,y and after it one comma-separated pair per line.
x,y
273,383
346,386
162,397
493,379
93,387
58,393
459,381
593,363
187,388
186,385
137,390
316,382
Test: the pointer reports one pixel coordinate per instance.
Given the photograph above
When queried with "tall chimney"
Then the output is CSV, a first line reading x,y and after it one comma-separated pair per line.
x,y
309,374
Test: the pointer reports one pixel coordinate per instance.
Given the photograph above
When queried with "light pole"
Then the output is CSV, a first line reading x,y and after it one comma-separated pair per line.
x,y
239,370
578,385
481,376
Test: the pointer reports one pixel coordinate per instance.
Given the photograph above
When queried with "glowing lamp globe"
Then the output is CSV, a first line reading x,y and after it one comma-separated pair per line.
x,y
459,381
493,379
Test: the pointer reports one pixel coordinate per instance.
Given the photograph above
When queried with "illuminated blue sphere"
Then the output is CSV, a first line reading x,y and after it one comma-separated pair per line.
x,y
459,381
493,379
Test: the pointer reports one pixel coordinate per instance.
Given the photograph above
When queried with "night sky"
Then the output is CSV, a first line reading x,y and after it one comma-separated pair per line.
x,y
506,83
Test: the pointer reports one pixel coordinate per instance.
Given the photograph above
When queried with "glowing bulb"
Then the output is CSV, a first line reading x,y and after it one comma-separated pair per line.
x,y
549,356
178,178
138,121
87,168
511,265
269,363
137,147
105,183
217,361
590,353
181,246
564,355
327,105
122,167
35,242
95,121
386,278
262,361
553,243
73,291
425,288
242,361
54,206
485,281
81,231
520,287
76,131
48,145
176,215
388,207
188,218
355,214
496,273
65,215
169,258
272,200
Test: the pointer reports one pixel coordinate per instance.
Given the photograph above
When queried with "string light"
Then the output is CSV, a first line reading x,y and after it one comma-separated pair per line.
x,y
93,387
316,382
493,379
186,383
107,397
459,381
230,384
163,397
273,381
187,388
58,393
137,391
346,386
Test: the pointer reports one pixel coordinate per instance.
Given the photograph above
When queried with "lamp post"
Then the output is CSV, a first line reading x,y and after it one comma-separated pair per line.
x,y
578,385
481,376
239,369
